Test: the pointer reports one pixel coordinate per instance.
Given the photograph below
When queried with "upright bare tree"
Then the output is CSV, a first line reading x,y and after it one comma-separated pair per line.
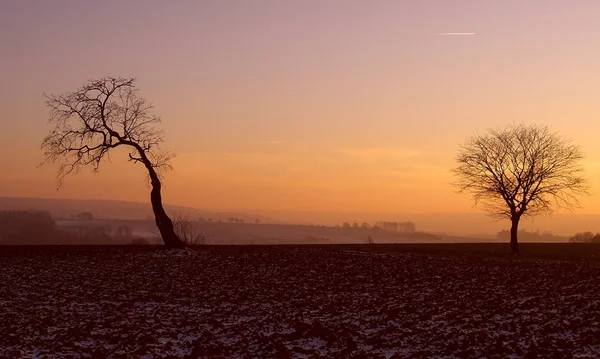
x,y
100,116
520,171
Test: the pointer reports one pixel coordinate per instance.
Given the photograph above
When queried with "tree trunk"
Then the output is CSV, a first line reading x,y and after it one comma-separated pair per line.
x,y
514,229
163,222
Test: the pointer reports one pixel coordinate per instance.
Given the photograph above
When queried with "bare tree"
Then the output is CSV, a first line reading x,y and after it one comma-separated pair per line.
x,y
188,230
520,171
100,116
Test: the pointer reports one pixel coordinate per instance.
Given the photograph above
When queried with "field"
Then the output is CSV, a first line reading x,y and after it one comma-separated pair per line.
x,y
328,301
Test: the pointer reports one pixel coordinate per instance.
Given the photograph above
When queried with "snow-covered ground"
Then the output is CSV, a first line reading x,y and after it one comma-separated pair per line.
x,y
285,302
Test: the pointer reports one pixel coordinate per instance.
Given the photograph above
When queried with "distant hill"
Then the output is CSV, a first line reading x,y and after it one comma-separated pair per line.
x,y
474,225
111,209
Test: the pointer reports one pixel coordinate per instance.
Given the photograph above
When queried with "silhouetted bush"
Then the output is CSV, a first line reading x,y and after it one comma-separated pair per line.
x,y
585,237
188,230
530,236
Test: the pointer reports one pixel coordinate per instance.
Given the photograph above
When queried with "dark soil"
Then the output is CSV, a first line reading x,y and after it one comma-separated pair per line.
x,y
337,301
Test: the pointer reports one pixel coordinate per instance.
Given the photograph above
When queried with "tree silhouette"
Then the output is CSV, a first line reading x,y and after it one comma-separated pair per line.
x,y
520,171
102,115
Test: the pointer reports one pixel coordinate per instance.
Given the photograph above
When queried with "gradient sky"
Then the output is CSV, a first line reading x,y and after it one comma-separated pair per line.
x,y
306,105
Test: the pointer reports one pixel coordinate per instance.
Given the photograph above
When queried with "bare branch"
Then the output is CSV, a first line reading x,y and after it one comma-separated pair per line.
x,y
521,171
101,115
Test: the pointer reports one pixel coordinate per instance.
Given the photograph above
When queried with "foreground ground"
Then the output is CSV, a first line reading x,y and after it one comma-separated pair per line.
x,y
293,301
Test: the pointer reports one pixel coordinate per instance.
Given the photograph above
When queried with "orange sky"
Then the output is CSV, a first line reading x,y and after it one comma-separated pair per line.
x,y
307,105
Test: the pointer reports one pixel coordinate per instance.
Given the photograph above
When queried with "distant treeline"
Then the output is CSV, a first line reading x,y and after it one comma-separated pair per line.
x,y
585,237
28,226
38,227
401,227
530,236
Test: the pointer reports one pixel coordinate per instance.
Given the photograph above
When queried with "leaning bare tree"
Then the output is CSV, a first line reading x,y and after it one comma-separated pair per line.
x,y
520,171
100,116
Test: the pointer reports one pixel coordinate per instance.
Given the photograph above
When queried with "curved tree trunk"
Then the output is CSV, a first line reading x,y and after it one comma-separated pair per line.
x,y
514,229
163,222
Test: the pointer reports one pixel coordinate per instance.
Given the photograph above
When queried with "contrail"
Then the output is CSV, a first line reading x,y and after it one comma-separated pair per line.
x,y
455,33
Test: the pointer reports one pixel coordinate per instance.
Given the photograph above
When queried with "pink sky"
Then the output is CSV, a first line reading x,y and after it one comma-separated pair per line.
x,y
329,105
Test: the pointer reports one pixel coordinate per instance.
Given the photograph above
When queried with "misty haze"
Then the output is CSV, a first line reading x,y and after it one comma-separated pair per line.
x,y
333,179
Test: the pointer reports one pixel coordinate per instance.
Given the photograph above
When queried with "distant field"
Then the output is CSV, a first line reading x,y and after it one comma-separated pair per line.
x,y
554,251
239,233
300,301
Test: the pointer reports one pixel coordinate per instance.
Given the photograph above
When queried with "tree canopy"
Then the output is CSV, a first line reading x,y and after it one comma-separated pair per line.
x,y
520,170
103,114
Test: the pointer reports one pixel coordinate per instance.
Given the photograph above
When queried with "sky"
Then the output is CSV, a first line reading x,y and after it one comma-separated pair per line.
x,y
336,105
